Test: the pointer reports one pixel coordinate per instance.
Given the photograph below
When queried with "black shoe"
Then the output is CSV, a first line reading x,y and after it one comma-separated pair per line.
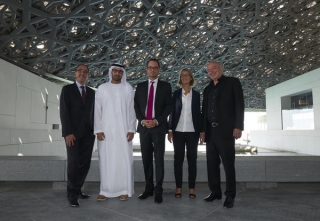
x,y
74,203
145,195
213,196
83,196
158,198
228,202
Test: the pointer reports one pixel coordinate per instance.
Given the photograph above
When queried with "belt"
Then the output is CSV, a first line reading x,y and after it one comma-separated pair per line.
x,y
214,124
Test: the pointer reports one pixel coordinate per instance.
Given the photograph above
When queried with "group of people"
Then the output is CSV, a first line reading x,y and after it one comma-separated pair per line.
x,y
110,114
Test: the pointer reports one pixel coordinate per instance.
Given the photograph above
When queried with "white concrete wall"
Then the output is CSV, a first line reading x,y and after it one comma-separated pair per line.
x,y
300,141
24,129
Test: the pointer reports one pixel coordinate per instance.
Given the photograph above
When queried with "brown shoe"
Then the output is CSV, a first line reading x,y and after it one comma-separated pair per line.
x,y
123,197
101,198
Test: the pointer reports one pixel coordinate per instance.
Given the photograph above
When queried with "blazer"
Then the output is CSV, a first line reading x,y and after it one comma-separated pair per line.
x,y
177,107
230,107
162,105
75,115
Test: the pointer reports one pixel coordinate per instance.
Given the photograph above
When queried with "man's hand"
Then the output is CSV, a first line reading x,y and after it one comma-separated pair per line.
x,y
170,136
70,140
237,133
202,137
130,136
149,123
100,136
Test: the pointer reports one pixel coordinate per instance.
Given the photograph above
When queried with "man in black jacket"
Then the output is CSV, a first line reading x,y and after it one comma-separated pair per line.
x,y
152,104
76,114
222,123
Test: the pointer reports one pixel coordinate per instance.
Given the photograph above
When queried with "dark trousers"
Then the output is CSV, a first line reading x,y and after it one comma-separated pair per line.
x,y
78,163
190,141
153,145
219,149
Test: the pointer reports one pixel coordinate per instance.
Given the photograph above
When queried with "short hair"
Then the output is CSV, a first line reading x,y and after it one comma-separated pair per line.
x,y
153,59
83,65
192,82
217,62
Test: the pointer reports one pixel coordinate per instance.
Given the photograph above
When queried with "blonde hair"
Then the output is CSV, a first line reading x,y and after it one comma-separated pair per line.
x,y
192,82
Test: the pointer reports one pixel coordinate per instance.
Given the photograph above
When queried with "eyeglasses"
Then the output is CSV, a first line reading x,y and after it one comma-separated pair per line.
x,y
153,68
82,71
117,71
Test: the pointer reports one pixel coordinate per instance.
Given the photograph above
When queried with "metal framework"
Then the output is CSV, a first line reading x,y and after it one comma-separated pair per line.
x,y
262,43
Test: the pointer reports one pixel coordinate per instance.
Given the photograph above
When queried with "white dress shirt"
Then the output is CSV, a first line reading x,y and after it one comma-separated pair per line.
x,y
79,87
185,123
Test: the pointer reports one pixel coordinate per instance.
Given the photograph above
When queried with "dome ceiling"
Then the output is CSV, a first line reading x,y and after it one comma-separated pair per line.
x,y
263,43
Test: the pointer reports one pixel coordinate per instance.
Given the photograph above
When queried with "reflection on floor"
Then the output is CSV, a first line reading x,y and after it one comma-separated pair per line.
x,y
258,152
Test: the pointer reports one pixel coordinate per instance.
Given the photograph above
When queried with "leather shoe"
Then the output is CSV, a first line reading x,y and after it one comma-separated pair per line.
x,y
158,198
228,202
213,196
74,203
83,196
145,195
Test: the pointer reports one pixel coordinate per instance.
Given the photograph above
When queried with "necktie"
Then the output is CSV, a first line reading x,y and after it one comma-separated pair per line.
x,y
150,102
83,94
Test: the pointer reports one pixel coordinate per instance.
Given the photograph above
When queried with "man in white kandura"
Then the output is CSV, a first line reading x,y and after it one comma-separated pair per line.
x,y
114,124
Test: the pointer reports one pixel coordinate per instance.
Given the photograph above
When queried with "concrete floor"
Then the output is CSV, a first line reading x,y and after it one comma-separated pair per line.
x,y
39,201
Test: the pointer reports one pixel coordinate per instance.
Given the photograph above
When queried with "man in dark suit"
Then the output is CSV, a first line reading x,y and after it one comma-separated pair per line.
x,y
152,104
222,123
76,114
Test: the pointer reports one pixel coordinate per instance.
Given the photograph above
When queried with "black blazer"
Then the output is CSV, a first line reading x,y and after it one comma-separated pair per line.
x,y
74,114
177,106
230,107
162,105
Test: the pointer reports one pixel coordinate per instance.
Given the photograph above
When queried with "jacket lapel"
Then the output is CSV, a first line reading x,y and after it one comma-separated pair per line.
x,y
221,85
145,91
88,94
180,96
193,97
157,91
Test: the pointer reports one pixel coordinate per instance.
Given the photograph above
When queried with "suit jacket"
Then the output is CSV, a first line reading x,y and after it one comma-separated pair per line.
x,y
230,107
177,107
162,105
75,115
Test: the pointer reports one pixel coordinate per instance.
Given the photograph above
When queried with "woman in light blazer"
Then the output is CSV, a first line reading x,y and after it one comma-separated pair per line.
x,y
184,130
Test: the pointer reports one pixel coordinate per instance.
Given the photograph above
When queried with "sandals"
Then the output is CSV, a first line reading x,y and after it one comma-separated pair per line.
x,y
177,195
101,198
123,197
192,194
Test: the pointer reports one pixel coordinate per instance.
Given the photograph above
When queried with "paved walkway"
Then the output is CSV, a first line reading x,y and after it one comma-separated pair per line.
x,y
39,201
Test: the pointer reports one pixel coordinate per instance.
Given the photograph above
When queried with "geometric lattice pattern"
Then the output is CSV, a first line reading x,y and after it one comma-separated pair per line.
x,y
262,43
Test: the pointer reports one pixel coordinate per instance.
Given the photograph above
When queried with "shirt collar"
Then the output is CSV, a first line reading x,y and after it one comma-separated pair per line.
x,y
155,81
222,78
185,91
79,85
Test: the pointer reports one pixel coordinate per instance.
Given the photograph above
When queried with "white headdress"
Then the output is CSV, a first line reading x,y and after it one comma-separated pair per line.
x,y
124,76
